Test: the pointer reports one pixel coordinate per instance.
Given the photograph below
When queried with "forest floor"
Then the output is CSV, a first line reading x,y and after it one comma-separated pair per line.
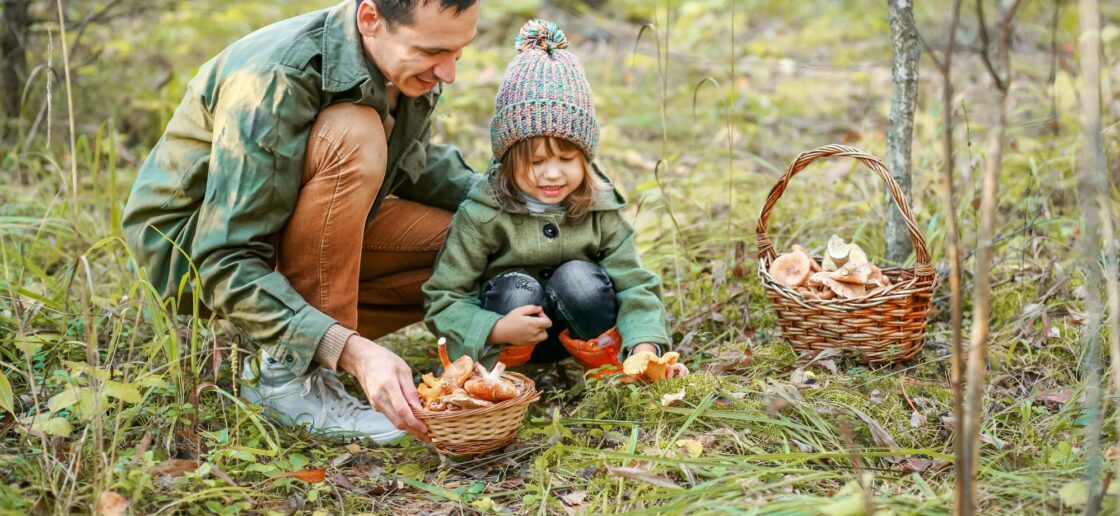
x,y
113,394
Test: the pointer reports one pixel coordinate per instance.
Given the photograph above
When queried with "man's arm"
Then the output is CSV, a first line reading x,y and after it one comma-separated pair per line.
x,y
442,179
261,120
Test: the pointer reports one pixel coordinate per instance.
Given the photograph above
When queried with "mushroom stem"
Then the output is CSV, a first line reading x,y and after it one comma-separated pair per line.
x,y
443,358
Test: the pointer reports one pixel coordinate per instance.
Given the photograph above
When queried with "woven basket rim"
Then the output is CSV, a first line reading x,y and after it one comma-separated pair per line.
x,y
528,395
914,285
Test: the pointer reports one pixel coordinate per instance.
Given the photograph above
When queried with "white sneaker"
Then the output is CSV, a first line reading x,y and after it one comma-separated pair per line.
x,y
317,400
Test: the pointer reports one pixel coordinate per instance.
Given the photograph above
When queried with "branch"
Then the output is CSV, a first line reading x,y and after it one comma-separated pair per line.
x,y
985,45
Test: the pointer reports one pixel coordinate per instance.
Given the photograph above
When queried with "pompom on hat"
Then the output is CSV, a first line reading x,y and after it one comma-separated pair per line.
x,y
544,93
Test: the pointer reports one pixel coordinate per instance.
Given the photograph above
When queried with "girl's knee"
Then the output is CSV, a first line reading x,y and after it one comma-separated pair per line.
x,y
510,290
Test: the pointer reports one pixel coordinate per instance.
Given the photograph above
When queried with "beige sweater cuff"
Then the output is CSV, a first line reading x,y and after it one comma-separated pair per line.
x,y
330,346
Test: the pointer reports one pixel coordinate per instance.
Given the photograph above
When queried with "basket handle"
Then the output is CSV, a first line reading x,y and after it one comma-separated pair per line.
x,y
765,248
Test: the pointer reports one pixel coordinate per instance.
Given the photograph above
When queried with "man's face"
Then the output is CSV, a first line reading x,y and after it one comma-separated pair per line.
x,y
417,56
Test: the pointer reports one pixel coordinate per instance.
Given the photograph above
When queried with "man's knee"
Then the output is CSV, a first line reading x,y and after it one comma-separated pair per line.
x,y
352,138
580,281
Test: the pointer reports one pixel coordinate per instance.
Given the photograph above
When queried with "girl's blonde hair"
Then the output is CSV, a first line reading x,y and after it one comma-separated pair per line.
x,y
519,160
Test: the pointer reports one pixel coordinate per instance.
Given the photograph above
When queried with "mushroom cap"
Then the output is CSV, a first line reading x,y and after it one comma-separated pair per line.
x,y
845,290
852,273
457,373
430,393
491,386
650,365
791,269
813,265
462,399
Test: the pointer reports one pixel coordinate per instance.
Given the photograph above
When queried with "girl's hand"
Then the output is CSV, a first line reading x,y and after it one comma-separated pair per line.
x,y
671,371
676,370
522,326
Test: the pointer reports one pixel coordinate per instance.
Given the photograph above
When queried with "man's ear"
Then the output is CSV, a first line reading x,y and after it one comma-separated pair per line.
x,y
369,18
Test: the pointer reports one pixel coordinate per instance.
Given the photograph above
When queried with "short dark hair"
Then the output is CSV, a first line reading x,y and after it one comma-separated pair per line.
x,y
399,12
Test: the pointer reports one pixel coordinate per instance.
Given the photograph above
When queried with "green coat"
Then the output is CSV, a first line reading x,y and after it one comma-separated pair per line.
x,y
485,241
226,173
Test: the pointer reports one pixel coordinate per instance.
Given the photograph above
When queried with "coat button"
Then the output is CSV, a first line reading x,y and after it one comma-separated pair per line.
x,y
551,231
546,273
288,359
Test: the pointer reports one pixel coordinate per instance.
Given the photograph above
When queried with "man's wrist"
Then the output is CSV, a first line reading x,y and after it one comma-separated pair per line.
x,y
331,345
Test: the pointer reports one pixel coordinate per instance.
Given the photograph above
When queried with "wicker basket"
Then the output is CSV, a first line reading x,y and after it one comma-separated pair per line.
x,y
481,430
883,327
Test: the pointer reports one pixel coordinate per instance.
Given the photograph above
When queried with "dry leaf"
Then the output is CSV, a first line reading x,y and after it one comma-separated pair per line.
x,y
112,504
174,467
311,476
917,420
642,474
691,447
673,397
880,436
803,379
574,498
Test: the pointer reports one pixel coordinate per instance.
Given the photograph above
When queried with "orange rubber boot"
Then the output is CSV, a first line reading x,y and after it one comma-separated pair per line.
x,y
516,355
595,353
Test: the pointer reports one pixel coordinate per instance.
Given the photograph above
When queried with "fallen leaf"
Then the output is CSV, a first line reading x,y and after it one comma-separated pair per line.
x,y
691,447
1055,399
917,420
642,474
995,441
311,475
880,436
707,438
574,498
341,459
174,467
915,465
342,481
1074,494
803,379
112,504
673,397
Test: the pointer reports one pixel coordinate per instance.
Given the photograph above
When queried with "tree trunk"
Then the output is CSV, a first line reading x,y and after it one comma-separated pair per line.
x,y
1097,220
13,53
907,50
1000,71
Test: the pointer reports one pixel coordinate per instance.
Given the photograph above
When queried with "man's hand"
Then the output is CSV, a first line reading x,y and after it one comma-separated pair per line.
x,y
387,382
522,326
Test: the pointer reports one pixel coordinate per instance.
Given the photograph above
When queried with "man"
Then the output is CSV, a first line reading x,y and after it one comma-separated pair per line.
x,y
271,181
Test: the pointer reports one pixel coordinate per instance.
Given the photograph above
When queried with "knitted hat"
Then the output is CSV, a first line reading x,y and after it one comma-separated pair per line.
x,y
544,93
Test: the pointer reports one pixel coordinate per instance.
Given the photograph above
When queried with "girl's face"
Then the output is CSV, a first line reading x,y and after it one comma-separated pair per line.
x,y
553,173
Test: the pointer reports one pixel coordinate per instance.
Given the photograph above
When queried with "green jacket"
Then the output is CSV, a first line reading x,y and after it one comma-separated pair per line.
x,y
226,173
484,241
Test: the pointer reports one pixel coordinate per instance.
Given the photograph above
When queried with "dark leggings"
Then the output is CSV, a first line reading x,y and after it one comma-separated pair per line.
x,y
579,296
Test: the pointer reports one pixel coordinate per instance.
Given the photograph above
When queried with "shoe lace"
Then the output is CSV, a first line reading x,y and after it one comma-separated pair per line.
x,y
333,393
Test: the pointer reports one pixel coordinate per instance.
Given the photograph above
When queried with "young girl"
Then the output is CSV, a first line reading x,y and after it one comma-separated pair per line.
x,y
539,263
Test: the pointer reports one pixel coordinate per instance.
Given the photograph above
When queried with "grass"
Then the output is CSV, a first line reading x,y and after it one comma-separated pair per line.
x,y
108,386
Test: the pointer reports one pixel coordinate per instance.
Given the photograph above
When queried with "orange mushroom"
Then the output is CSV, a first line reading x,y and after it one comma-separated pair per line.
x,y
845,290
791,269
431,389
813,265
462,399
490,386
852,273
648,364
454,373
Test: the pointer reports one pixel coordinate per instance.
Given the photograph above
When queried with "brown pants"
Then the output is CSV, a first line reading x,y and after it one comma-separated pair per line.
x,y
366,278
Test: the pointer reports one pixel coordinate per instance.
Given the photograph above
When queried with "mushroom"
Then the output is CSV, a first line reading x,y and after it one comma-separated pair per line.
x,y
491,386
430,389
650,365
454,373
845,290
877,278
852,273
840,253
791,269
462,399
813,265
